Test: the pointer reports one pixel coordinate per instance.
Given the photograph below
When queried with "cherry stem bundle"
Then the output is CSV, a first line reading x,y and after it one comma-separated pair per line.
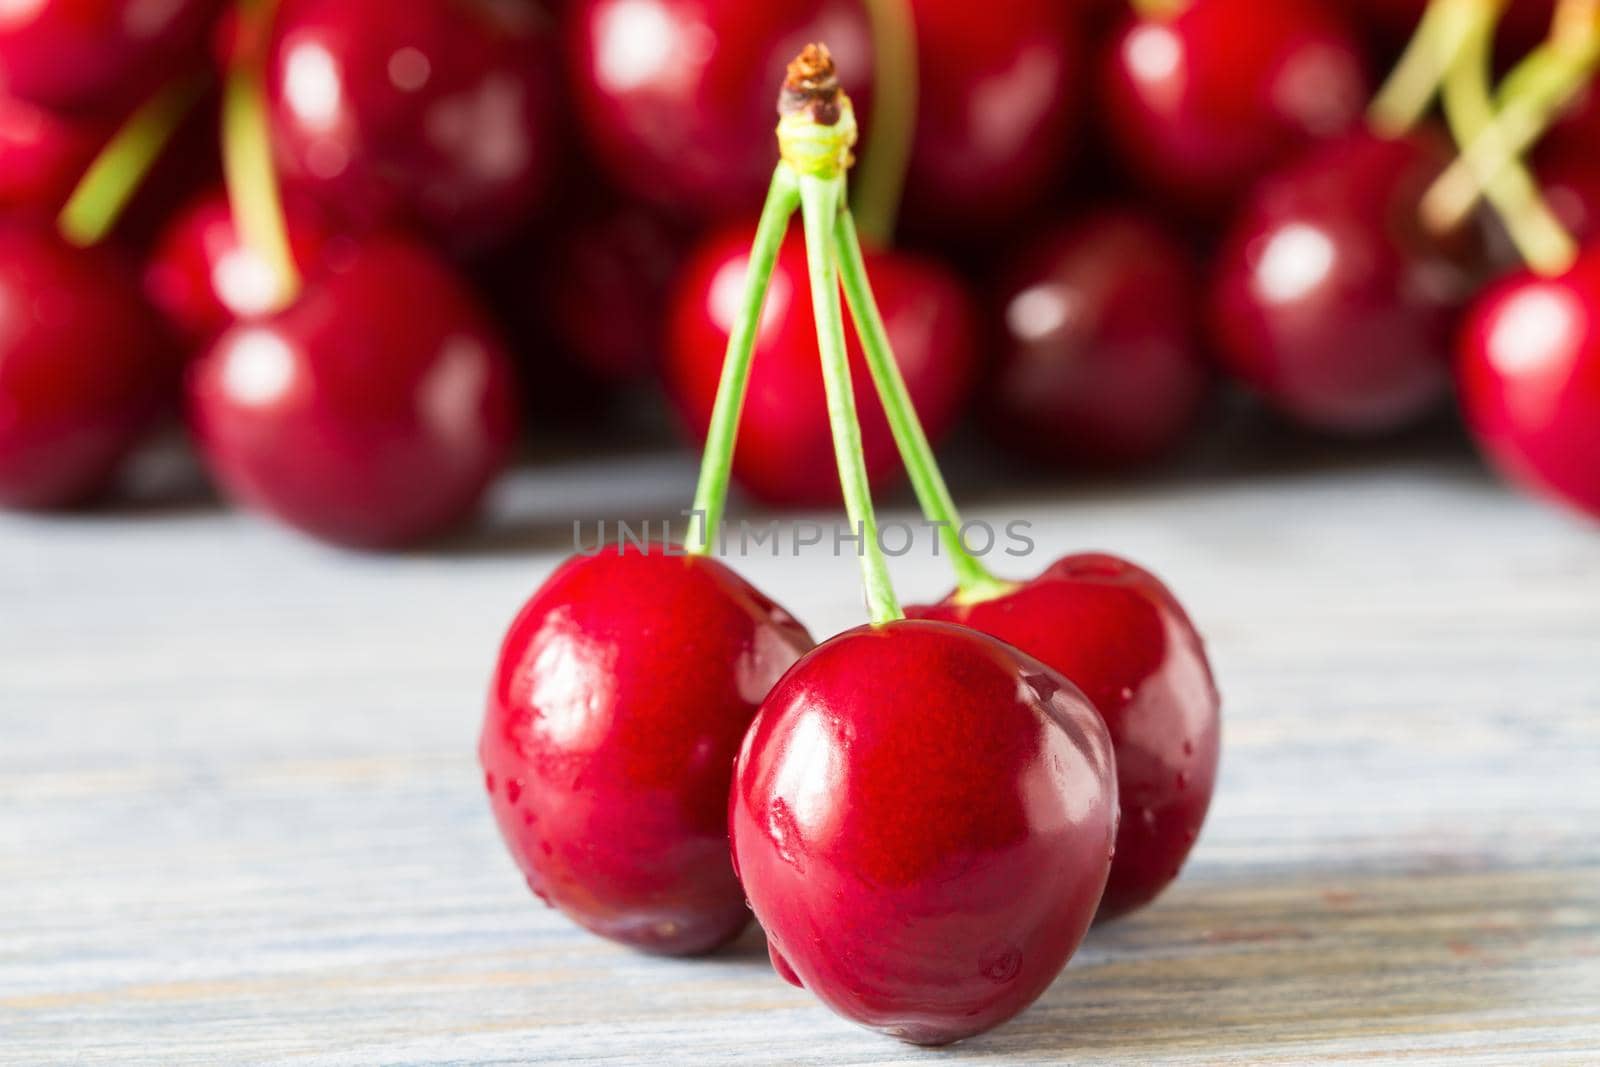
x,y
1441,36
111,181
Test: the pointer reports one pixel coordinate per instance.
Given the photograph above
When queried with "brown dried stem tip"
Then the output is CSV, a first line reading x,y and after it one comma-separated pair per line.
x,y
812,85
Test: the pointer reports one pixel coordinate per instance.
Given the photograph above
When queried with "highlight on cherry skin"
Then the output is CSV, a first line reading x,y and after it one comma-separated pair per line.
x,y
923,818
622,693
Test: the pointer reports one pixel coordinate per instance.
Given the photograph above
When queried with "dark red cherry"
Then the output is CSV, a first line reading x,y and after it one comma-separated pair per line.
x,y
785,450
203,277
1330,300
1571,185
42,156
1204,101
623,690
434,111
923,818
1123,638
97,55
1100,362
1529,380
371,412
84,368
997,100
677,97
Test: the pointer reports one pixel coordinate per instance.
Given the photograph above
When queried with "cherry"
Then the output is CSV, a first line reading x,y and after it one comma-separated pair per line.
x,y
1571,185
1123,638
923,820
373,411
97,55
1100,363
435,111
1204,101
675,96
996,104
202,276
42,156
84,368
1330,300
785,451
622,692
1529,379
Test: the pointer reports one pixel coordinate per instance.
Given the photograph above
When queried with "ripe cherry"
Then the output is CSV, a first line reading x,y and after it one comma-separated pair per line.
x,y
97,55
785,450
84,368
623,690
923,820
1100,362
1202,102
373,411
1329,298
1529,378
675,96
42,156
1121,636
203,277
434,111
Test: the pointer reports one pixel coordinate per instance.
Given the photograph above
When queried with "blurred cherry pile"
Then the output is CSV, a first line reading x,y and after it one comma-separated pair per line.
x,y
428,227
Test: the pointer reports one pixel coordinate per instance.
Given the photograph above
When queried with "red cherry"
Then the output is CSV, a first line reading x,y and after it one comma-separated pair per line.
x,y
1529,377
1100,363
202,277
84,368
621,696
1328,297
923,818
997,99
439,111
42,156
785,450
371,412
1204,101
1123,638
677,96
97,55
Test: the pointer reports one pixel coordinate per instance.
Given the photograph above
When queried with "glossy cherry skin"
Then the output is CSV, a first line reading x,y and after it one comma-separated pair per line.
x,y
1123,638
676,97
785,450
97,55
923,819
84,368
372,412
1099,363
1201,103
1529,380
623,690
439,112
1330,300
995,110
42,156
202,276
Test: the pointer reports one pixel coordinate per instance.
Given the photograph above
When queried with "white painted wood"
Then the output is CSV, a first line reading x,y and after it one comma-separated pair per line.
x,y
241,819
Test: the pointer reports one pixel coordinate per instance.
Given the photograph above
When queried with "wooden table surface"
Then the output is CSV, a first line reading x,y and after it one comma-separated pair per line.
x,y
241,818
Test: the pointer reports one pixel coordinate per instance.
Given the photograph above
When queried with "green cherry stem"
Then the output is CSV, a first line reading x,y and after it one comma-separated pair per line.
x,y
1440,36
882,177
716,463
247,164
933,494
821,200
116,173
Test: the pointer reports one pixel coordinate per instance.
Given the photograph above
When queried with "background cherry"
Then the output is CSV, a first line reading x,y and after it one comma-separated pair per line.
x,y
371,412
1121,636
84,368
437,111
1099,362
1201,103
923,817
785,451
1529,377
42,156
1330,300
676,96
622,693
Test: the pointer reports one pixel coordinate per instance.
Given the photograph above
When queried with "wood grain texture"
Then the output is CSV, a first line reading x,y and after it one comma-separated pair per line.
x,y
241,819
